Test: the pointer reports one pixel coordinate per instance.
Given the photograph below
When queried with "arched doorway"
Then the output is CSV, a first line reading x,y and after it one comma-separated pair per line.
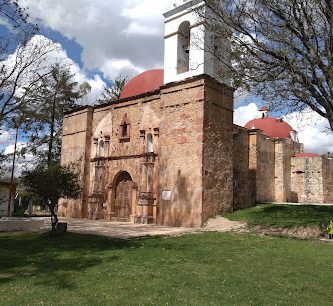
x,y
123,196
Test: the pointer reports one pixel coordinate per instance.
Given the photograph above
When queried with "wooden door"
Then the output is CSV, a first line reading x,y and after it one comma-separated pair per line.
x,y
123,198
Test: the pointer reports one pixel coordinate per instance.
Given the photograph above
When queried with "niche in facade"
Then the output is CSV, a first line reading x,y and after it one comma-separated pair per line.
x,y
183,47
101,149
150,143
125,129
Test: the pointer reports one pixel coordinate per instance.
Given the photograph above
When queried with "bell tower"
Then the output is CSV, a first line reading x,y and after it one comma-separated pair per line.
x,y
189,46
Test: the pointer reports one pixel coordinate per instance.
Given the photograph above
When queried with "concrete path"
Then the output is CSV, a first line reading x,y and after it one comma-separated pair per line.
x,y
122,230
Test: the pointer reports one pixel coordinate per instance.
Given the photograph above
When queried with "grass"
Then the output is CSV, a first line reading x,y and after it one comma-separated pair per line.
x,y
201,269
276,215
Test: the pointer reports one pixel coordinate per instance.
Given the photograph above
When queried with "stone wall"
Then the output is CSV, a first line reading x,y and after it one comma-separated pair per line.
x,y
262,165
244,191
180,154
328,179
282,178
217,150
75,150
307,180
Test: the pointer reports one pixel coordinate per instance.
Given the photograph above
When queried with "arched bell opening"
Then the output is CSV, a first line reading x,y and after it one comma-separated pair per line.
x,y
183,47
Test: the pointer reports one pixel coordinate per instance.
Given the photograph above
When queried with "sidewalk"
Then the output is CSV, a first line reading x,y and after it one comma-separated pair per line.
x,y
122,230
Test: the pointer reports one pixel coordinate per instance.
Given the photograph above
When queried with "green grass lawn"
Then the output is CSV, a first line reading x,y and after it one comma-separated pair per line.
x,y
197,269
276,215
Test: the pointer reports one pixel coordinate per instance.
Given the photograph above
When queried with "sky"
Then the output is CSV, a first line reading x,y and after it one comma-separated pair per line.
x,y
106,38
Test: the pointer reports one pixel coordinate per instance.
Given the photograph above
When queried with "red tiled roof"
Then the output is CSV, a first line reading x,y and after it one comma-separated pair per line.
x,y
271,127
147,81
305,154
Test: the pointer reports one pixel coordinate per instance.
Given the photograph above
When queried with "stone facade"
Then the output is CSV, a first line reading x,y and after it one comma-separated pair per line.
x,y
174,157
179,180
311,179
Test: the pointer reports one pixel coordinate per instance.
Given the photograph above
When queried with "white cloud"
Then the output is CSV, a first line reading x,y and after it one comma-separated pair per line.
x,y
244,114
60,56
10,149
136,29
130,30
5,136
313,131
22,163
113,68
56,54
145,17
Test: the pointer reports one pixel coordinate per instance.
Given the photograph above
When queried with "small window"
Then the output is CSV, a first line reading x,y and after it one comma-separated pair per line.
x,y
125,125
124,130
150,143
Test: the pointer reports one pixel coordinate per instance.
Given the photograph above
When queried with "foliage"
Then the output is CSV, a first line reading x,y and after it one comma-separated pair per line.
x,y
281,50
274,215
54,94
14,18
22,59
4,166
50,183
205,269
113,91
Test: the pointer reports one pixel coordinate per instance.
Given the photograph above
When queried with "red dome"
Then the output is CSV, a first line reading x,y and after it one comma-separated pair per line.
x,y
147,81
271,127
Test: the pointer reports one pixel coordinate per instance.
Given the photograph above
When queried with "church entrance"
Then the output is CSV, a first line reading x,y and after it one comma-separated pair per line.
x,y
123,196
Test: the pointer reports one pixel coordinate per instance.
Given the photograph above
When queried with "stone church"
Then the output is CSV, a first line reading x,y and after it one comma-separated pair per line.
x,y
168,152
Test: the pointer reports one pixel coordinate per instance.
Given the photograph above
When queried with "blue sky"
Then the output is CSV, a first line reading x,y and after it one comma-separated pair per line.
x,y
105,38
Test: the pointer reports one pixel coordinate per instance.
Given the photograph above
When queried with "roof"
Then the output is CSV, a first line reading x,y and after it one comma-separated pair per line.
x,y
306,154
147,81
271,127
263,109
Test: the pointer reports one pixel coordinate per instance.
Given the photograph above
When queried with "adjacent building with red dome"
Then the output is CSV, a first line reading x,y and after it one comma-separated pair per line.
x,y
168,152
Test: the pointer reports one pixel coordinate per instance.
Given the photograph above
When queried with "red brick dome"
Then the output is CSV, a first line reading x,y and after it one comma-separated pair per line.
x,y
147,81
271,127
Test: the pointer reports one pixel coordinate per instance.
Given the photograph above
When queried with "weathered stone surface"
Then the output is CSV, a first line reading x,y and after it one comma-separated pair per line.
x,y
244,188
175,158
312,179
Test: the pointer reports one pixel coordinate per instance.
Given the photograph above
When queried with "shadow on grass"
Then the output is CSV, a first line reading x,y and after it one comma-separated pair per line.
x,y
285,215
51,260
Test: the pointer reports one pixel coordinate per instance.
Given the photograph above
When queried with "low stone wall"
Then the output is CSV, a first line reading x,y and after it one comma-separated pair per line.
x,y
24,224
301,232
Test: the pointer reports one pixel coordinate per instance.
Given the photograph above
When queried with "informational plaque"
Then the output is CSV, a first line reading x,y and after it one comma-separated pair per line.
x,y
166,195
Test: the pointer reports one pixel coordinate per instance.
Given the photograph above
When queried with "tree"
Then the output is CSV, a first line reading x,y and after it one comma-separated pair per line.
x,y
113,91
281,50
48,99
50,183
23,58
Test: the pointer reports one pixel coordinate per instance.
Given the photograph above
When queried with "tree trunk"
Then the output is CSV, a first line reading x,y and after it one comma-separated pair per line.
x,y
330,118
49,154
54,218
